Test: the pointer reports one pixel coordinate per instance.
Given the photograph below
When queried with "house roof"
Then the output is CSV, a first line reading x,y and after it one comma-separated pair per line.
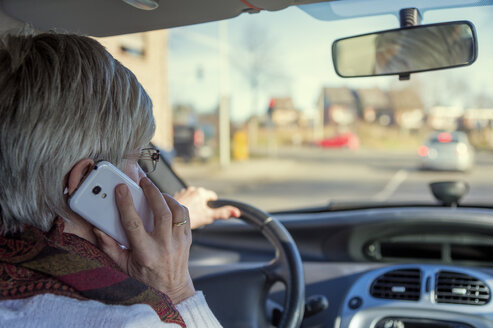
x,y
405,99
374,97
282,103
339,96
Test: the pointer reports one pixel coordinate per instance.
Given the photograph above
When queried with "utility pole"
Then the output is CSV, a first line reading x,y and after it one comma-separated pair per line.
x,y
224,96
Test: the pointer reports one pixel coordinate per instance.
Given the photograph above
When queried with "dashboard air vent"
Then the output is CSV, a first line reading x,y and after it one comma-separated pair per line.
x,y
459,288
403,284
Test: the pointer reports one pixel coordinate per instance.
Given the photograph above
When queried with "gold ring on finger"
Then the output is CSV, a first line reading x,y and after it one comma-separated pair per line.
x,y
178,224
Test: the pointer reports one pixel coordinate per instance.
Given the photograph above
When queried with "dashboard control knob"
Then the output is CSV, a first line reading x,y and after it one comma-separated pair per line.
x,y
315,304
355,303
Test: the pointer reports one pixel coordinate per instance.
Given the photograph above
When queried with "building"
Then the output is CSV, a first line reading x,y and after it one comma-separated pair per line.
x,y
408,108
145,55
478,118
338,105
445,117
282,113
375,106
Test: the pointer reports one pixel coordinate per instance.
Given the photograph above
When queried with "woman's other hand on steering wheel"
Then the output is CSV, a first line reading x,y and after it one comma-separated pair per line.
x,y
196,199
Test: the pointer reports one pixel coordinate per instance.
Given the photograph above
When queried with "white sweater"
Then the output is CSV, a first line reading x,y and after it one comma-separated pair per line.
x,y
48,310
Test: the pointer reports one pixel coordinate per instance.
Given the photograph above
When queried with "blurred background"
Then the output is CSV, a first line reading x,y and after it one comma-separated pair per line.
x,y
252,108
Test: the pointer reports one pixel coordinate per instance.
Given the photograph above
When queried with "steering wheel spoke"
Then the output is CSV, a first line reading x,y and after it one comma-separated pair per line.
x,y
275,272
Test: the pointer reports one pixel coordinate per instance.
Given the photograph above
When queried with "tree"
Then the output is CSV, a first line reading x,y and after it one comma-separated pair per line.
x,y
258,63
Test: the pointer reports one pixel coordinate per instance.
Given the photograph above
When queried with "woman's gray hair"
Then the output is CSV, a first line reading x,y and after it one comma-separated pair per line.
x,y
62,98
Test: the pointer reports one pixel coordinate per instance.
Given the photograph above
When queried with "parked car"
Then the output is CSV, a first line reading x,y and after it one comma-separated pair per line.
x,y
189,143
447,151
358,263
346,140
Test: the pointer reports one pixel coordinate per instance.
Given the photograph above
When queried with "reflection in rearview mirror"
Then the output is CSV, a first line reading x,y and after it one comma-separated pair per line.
x,y
407,50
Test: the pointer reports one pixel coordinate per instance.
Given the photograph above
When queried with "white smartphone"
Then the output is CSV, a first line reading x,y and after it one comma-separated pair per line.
x,y
95,201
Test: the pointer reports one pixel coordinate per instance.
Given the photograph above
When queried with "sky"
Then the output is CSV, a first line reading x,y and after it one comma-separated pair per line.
x,y
296,60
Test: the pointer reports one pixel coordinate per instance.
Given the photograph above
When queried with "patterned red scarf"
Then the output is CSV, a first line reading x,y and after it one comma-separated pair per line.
x,y
34,262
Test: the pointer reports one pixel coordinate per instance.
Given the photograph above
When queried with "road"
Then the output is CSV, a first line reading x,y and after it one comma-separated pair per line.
x,y
303,177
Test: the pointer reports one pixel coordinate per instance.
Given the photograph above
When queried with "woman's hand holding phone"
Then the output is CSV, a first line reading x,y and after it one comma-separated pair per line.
x,y
160,258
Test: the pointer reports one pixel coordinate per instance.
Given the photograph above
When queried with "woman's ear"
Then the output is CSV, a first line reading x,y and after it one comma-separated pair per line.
x,y
77,173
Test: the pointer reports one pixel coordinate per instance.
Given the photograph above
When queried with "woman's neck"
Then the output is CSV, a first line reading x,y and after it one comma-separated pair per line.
x,y
78,226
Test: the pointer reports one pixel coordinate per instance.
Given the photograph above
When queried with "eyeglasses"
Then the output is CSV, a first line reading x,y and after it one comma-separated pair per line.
x,y
148,159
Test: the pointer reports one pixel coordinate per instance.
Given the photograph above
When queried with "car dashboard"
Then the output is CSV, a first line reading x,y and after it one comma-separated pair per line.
x,y
380,268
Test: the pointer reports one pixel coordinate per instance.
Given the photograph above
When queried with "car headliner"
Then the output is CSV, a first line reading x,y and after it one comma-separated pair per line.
x,y
112,17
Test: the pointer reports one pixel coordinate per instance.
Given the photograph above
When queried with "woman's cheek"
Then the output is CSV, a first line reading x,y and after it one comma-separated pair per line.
x,y
133,171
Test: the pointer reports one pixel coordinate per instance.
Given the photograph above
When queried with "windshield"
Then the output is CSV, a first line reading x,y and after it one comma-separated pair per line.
x,y
301,136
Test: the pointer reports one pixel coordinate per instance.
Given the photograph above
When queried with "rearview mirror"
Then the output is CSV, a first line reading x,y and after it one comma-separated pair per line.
x,y
406,50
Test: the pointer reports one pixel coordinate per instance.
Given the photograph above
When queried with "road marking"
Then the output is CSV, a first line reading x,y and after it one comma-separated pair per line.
x,y
391,186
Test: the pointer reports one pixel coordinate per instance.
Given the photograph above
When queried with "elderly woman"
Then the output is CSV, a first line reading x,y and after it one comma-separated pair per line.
x,y
66,104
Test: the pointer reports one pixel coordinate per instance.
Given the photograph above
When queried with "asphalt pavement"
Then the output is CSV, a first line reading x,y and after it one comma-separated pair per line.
x,y
304,176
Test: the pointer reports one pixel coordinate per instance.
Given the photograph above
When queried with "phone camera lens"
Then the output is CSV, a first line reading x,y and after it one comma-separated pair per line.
x,y
96,190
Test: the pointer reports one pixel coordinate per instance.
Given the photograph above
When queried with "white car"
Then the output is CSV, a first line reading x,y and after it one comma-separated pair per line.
x,y
447,151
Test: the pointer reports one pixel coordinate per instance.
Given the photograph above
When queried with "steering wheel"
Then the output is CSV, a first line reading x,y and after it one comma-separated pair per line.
x,y
238,298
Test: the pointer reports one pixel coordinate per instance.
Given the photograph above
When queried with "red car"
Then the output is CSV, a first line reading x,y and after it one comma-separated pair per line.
x,y
346,140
